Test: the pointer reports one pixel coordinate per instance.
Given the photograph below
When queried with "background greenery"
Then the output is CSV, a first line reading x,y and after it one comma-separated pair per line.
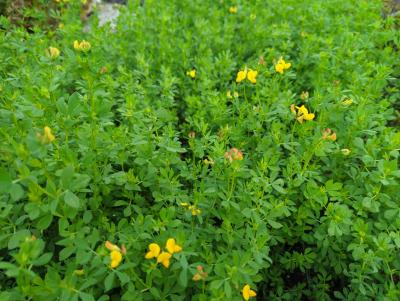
x,y
135,137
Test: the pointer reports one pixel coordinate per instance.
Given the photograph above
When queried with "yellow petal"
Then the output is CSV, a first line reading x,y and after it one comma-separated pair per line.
x,y
241,75
279,68
309,116
164,258
287,65
302,110
172,247
251,76
116,258
47,133
154,251
228,94
54,52
247,292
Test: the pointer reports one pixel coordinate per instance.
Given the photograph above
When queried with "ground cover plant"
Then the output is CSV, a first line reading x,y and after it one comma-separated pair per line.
x,y
201,150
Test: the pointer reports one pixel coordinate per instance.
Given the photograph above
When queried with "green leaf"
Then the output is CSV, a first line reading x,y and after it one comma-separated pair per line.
x,y
16,192
109,281
86,297
274,224
67,174
71,199
42,260
183,280
44,222
5,180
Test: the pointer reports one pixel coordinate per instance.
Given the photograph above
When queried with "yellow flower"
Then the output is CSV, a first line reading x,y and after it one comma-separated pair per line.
x,y
54,52
111,246
345,151
248,293
79,272
251,76
241,75
154,251
347,102
281,65
195,210
191,73
302,114
172,247
233,9
164,258
229,95
304,95
82,46
48,136
116,258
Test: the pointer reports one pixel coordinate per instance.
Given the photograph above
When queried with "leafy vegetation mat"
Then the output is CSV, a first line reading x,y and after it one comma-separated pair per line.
x,y
202,150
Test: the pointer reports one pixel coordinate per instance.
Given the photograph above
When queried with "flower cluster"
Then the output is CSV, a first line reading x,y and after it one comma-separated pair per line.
x,y
163,257
249,74
234,155
301,113
229,94
83,46
193,208
200,275
281,65
329,135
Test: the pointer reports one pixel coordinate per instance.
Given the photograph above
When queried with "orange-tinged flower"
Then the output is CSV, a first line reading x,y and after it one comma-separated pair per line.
x,y
154,251
329,135
172,247
248,292
234,154
293,109
111,247
116,258
200,275
164,259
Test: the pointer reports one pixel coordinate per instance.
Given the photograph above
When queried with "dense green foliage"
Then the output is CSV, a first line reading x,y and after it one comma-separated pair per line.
x,y
120,143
